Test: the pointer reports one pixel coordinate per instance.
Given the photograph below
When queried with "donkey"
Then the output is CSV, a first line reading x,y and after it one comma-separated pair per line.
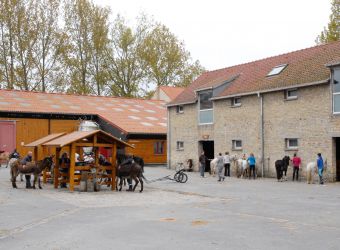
x,y
132,170
30,168
4,158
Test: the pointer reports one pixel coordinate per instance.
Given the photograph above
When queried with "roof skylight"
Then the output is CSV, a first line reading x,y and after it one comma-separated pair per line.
x,y
277,70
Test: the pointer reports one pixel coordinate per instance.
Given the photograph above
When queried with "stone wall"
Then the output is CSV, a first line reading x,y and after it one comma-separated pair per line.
x,y
308,118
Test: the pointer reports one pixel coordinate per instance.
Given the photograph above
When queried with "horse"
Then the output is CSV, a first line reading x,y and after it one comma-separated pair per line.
x,y
132,170
213,167
312,169
281,167
30,168
122,157
11,162
4,158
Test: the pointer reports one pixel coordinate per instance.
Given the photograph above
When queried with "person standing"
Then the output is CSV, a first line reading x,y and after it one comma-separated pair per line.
x,y
202,161
24,161
226,161
251,161
220,167
296,166
320,165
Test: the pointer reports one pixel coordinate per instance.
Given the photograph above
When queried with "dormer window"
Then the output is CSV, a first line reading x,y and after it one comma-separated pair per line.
x,y
206,108
336,90
277,70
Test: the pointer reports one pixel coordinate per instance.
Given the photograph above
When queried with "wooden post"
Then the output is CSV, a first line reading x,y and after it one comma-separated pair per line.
x,y
113,161
56,168
72,165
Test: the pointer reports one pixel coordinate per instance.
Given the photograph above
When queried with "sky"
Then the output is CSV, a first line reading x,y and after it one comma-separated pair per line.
x,y
223,33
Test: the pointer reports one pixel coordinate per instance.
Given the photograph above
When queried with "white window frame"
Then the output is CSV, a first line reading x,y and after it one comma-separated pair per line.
x,y
180,145
273,71
179,109
287,141
334,93
234,146
294,97
199,112
234,103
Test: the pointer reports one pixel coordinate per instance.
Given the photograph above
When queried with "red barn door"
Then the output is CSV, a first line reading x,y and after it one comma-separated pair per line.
x,y
7,136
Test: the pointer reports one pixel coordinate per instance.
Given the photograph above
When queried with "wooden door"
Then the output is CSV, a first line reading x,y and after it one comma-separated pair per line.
x,y
7,136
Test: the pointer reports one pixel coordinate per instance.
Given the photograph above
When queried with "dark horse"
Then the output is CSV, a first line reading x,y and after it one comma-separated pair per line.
x,y
131,170
122,158
281,167
30,168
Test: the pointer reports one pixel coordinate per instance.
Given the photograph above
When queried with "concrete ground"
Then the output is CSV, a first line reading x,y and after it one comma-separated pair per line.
x,y
200,214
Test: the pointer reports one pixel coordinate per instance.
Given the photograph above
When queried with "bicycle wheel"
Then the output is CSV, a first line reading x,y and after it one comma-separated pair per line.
x,y
176,176
183,178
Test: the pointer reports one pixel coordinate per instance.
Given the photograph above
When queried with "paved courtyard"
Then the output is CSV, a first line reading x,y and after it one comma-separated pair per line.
x,y
201,214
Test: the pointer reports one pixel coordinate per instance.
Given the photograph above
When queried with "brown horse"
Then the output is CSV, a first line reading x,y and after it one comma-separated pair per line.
x,y
130,170
30,168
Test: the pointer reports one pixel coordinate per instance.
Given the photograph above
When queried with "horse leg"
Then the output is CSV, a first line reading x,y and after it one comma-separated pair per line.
x,y
14,178
120,183
39,182
21,177
136,183
34,181
141,184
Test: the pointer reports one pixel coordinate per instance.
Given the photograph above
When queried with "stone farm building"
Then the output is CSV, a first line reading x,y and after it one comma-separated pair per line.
x,y
27,116
272,107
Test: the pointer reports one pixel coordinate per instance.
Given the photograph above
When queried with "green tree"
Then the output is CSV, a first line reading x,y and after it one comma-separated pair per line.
x,y
168,62
49,47
126,68
8,24
331,33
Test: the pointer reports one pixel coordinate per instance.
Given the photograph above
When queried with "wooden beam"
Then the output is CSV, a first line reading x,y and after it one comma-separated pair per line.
x,y
72,166
87,144
113,162
56,168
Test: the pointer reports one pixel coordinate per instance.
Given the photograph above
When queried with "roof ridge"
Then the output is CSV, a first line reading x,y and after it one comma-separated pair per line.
x,y
72,94
279,55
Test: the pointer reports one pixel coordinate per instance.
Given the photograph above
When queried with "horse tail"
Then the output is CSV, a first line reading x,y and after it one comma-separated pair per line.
x,y
146,180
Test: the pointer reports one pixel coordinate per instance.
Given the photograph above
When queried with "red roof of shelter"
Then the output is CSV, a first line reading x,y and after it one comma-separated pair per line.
x,y
303,67
172,92
130,115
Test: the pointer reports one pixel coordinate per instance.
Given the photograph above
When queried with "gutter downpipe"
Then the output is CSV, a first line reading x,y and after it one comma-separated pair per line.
x,y
168,138
262,132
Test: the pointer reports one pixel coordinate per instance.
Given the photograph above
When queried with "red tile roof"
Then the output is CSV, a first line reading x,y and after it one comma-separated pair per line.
x,y
130,115
172,92
303,67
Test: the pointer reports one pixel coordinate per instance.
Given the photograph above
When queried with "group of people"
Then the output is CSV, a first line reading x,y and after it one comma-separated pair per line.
x,y
223,162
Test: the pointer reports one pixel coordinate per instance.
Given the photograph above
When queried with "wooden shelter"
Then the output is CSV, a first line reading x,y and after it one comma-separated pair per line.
x,y
74,143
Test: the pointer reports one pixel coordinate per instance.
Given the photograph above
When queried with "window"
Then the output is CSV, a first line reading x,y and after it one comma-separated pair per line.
x,y
236,102
205,108
291,143
237,145
291,94
336,90
180,145
179,109
277,70
158,147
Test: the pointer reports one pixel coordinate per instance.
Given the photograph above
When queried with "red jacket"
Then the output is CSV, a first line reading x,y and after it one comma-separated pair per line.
x,y
296,161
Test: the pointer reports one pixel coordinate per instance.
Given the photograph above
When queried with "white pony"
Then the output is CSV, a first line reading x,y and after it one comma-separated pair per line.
x,y
213,167
312,169
241,166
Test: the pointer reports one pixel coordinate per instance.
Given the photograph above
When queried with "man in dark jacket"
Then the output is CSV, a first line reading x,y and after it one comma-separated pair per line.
x,y
202,160
27,158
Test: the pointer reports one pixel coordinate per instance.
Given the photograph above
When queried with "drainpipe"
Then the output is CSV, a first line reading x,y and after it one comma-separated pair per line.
x,y
261,132
168,138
